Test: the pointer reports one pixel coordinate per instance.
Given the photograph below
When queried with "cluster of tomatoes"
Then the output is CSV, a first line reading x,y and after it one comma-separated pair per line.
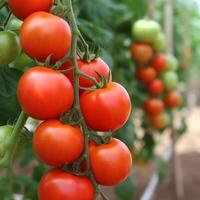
x,y
46,94
156,70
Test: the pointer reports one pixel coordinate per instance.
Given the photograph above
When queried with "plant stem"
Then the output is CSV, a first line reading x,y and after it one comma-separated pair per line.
x,y
2,3
13,140
7,19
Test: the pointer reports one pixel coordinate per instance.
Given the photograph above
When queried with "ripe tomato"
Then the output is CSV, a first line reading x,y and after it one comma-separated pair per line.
x,y
170,80
141,52
23,8
59,185
110,163
159,121
172,99
97,65
159,62
155,87
44,93
146,74
106,109
9,47
57,144
153,106
43,34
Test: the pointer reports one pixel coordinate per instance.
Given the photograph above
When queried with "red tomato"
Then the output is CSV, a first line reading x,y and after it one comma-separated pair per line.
x,y
172,99
106,109
43,34
159,121
110,163
146,74
60,185
44,93
23,8
141,53
153,106
57,144
97,65
155,87
159,62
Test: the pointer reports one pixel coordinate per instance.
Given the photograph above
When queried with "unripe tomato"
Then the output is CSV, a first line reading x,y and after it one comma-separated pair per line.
x,y
172,62
155,87
145,30
141,52
57,144
43,34
110,163
172,99
9,47
170,80
153,106
89,68
159,121
44,93
159,42
14,25
59,185
159,62
146,74
23,8
106,109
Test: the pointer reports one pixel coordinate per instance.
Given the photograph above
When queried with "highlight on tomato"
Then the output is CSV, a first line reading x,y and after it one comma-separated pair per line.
x,y
44,93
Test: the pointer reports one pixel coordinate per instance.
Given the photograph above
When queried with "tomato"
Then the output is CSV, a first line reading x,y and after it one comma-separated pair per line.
x,y
141,52
172,63
23,62
89,68
110,163
106,109
155,87
159,42
43,34
23,8
9,47
159,121
159,62
14,25
57,144
146,74
145,30
170,80
59,185
153,106
5,132
172,99
44,93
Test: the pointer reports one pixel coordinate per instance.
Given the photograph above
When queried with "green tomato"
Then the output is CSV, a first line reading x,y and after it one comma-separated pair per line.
x,y
5,132
146,30
22,62
14,25
172,63
170,80
9,47
159,43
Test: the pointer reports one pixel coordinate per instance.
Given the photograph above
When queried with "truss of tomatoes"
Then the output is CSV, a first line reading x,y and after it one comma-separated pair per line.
x,y
156,70
47,94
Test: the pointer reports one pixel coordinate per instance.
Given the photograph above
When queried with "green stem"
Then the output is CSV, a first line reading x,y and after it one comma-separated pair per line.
x,y
7,19
13,140
2,4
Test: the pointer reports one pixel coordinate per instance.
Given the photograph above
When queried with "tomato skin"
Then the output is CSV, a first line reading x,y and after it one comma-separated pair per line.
x,y
146,74
156,87
153,106
97,65
159,121
159,62
23,8
170,80
57,144
110,163
106,109
60,185
44,93
43,34
172,99
141,52
9,47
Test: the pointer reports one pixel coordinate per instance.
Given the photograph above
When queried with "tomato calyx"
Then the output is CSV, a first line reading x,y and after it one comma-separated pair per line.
x,y
101,137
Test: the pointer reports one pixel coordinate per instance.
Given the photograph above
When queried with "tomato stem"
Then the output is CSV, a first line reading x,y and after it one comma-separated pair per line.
x,y
2,4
